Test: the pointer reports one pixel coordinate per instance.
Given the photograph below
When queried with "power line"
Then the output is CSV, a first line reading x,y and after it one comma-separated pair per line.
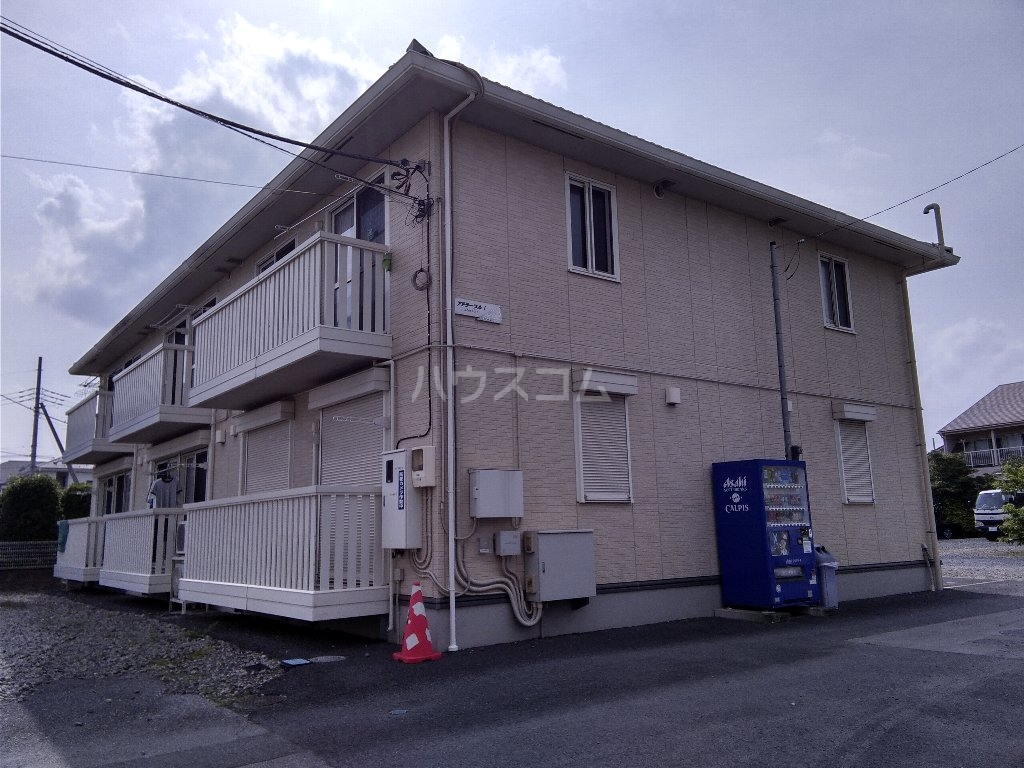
x,y
160,175
921,194
62,52
29,37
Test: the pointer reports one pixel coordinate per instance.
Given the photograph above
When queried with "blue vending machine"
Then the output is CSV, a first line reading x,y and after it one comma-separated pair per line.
x,y
765,546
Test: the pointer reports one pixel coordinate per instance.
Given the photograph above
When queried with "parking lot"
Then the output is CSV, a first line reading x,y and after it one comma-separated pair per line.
x,y
912,680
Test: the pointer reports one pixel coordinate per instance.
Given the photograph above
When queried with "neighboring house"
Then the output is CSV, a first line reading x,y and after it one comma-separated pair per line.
x,y
600,308
55,469
990,431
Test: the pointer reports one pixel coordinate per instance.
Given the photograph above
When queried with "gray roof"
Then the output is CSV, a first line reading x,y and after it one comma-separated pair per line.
x,y
1002,407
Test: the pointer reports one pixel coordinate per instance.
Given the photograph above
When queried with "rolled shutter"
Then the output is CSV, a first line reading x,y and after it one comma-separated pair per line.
x,y
856,462
267,451
351,435
604,449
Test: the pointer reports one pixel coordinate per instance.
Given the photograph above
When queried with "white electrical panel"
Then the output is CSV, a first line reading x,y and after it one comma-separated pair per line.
x,y
495,493
422,458
402,504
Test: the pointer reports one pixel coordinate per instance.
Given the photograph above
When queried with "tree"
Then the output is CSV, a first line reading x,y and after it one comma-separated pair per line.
x,y
953,491
1012,482
29,508
76,500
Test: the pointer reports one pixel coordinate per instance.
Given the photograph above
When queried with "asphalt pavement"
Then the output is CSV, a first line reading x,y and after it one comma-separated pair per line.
x,y
931,679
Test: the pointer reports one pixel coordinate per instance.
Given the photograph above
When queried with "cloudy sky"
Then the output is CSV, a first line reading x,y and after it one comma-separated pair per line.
x,y
854,105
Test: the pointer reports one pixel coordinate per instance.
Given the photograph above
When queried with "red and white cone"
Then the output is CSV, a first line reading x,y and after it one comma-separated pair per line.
x,y
416,646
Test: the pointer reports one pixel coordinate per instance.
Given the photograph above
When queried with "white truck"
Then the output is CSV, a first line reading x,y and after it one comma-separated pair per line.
x,y
989,513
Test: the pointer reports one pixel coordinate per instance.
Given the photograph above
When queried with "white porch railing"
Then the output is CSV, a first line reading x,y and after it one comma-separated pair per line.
x,y
994,457
89,420
330,280
160,378
83,550
138,548
315,539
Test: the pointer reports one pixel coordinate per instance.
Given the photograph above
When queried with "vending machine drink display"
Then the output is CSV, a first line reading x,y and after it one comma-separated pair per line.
x,y
765,545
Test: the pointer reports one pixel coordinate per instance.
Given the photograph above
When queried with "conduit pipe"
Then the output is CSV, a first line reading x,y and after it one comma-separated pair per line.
x,y
450,355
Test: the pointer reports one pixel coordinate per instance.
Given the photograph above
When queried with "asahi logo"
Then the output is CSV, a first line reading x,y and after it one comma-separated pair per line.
x,y
738,488
739,484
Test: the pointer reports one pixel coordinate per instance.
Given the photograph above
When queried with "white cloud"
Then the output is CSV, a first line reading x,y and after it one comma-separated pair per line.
x,y
88,237
536,71
850,155
97,255
963,361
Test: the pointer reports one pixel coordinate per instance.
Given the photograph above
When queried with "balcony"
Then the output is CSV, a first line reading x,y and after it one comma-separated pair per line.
x,y
150,403
138,550
88,434
311,318
83,550
309,553
994,457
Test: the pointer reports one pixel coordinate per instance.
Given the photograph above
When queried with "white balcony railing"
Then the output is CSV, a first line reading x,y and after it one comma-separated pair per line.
x,y
159,378
994,457
330,281
83,550
89,420
138,548
315,539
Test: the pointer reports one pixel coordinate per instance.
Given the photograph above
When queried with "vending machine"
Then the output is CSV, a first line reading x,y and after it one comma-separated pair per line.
x,y
765,545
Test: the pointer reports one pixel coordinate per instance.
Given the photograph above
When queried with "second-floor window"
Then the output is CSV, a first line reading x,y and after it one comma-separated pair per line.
x,y
835,292
267,262
590,218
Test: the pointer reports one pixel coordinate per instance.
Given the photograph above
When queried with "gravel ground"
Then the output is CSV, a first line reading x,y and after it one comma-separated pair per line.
x,y
981,559
47,635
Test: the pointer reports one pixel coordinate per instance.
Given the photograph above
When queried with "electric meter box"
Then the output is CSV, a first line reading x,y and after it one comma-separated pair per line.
x,y
559,565
402,505
423,472
496,493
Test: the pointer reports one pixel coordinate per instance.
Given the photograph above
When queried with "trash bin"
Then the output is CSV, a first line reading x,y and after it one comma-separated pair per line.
x,y
827,578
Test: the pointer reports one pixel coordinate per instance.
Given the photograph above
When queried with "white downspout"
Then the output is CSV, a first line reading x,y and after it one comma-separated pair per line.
x,y
929,512
450,362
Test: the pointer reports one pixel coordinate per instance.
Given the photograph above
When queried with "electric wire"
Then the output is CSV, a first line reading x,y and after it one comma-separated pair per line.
x,y
33,39
921,194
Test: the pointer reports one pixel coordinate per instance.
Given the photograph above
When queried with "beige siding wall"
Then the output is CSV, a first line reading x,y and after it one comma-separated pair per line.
x,y
692,309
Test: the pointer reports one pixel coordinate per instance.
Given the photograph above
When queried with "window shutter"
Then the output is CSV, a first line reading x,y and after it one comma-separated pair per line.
x,y
604,453
351,435
856,462
266,457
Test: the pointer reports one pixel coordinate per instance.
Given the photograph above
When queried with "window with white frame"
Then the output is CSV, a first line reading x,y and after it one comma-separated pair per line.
x,y
835,292
855,462
362,216
602,442
117,493
267,262
591,221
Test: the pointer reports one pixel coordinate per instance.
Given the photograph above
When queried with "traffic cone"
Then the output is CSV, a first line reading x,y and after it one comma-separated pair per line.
x,y
416,646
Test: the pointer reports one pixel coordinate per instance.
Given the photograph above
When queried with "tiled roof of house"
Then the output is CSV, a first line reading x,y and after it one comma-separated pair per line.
x,y
1003,406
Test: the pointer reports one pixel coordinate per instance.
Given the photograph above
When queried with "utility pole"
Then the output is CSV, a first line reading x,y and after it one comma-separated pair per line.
x,y
35,417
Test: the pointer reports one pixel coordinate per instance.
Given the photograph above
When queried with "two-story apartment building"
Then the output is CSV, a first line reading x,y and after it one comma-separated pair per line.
x,y
495,347
990,431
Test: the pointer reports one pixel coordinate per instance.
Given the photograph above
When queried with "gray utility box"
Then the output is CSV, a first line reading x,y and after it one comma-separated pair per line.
x,y
559,565
495,493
